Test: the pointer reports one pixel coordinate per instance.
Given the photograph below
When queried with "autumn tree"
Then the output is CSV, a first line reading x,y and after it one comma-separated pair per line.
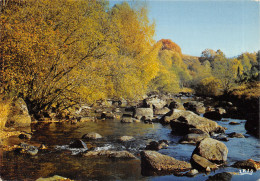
x,y
136,62
62,53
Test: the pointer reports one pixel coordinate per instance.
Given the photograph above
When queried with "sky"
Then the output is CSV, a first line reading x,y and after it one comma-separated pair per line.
x,y
232,26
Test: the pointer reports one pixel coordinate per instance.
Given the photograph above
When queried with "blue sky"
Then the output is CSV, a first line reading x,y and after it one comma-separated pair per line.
x,y
232,26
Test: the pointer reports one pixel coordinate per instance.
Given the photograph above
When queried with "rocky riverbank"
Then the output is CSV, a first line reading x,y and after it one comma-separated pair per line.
x,y
206,136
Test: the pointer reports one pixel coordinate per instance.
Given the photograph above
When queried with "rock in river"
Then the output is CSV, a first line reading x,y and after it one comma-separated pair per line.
x,y
181,121
91,136
248,164
126,138
143,112
110,154
161,111
201,163
236,135
78,144
27,149
225,176
154,145
193,138
211,149
194,106
154,161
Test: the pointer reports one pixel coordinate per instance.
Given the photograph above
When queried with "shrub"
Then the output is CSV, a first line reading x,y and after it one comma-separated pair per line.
x,y
208,86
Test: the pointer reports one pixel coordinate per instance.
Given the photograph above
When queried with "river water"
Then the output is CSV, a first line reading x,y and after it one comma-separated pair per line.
x,y
59,160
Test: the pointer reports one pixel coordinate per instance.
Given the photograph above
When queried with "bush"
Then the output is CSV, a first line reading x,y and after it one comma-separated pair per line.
x,y
208,86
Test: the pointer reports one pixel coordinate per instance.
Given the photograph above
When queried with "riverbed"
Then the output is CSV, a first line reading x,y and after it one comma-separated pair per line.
x,y
58,159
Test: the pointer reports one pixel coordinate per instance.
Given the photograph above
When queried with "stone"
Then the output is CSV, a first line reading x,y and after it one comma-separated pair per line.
x,y
193,138
181,121
194,106
201,163
154,102
110,154
161,111
78,144
236,135
175,105
221,110
107,115
225,176
19,114
154,161
247,164
211,149
25,148
213,115
154,145
143,112
25,136
192,173
91,136
126,138
221,137
127,118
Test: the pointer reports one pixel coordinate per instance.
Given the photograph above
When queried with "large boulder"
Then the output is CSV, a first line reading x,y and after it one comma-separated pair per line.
x,y
181,121
193,138
201,163
110,154
161,111
157,162
19,115
154,102
143,112
211,149
194,106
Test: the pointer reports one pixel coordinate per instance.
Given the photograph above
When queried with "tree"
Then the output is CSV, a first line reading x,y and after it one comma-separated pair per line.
x,y
226,71
61,53
207,54
136,63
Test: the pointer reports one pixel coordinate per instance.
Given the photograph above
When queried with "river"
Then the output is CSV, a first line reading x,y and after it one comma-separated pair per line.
x,y
60,160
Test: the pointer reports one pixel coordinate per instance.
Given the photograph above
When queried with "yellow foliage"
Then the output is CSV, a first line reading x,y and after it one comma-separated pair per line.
x,y
208,86
67,52
4,110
